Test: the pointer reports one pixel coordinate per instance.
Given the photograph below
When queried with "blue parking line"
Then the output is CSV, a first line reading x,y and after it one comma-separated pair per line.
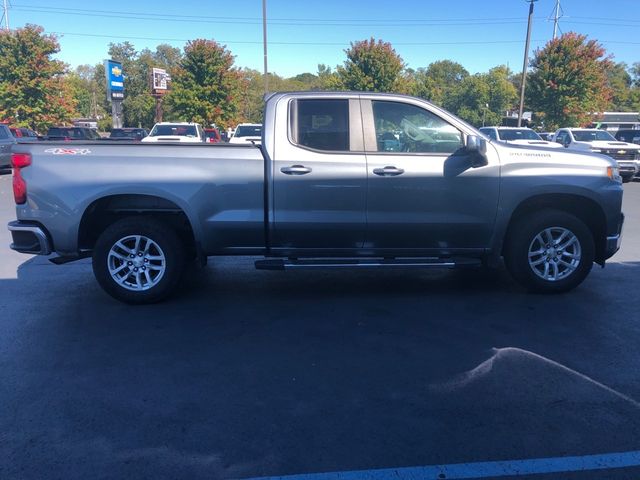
x,y
505,468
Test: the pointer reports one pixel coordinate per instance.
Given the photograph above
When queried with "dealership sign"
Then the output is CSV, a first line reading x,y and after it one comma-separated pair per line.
x,y
159,81
115,80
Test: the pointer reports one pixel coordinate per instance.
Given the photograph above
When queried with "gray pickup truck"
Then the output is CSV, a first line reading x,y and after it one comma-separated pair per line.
x,y
352,180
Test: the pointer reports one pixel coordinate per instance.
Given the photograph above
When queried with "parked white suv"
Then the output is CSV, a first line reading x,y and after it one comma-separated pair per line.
x,y
247,132
184,132
517,136
600,141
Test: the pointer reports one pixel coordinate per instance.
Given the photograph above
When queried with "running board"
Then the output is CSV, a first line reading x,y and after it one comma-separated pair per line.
x,y
318,263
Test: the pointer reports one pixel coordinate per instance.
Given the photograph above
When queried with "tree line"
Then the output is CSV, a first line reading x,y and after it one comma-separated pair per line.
x,y
569,79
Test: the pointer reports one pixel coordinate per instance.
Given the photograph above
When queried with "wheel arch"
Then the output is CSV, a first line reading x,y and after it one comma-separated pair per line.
x,y
106,210
584,208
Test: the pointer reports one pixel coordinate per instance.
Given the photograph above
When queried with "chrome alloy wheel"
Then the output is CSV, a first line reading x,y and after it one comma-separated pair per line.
x,y
136,263
554,253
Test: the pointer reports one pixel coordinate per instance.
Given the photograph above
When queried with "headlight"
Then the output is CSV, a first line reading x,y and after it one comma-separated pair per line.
x,y
614,174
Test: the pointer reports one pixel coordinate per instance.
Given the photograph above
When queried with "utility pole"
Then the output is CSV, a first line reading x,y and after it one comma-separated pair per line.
x,y
557,13
5,14
526,62
264,41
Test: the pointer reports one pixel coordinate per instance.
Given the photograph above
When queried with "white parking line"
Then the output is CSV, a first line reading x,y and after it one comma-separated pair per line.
x,y
514,468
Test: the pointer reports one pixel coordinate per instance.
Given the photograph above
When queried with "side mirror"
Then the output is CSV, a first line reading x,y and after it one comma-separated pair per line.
x,y
474,143
477,148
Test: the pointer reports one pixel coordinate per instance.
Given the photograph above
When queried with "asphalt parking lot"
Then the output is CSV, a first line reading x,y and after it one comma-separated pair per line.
x,y
254,373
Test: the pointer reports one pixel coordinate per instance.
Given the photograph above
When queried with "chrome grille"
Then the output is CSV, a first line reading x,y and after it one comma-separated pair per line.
x,y
621,154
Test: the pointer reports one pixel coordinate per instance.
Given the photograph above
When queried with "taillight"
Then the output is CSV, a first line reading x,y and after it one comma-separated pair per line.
x,y
18,162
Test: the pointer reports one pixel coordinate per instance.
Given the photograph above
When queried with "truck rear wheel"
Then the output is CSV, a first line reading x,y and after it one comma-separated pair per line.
x,y
550,251
138,260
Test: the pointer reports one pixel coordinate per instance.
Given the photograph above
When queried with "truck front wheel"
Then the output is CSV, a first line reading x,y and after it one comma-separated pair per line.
x,y
549,251
138,260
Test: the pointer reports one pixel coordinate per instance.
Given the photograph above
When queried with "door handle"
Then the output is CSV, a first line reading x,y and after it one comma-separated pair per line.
x,y
388,171
295,170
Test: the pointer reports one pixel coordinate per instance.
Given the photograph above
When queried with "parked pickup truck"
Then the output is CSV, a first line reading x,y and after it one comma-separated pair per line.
x,y
341,180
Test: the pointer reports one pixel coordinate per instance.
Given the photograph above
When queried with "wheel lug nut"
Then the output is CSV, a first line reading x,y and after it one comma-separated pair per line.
x,y
144,268
135,269
132,256
146,260
139,254
129,263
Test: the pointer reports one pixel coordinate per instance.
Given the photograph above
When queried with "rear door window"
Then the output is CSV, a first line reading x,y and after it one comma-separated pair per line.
x,y
322,124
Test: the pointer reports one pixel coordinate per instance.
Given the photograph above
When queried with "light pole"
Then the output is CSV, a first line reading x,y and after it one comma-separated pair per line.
x,y
526,61
264,42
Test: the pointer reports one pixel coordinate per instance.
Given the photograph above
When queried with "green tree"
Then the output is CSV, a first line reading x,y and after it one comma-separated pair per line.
x,y
206,86
252,103
87,94
33,92
619,82
634,71
438,80
371,66
568,81
483,98
327,79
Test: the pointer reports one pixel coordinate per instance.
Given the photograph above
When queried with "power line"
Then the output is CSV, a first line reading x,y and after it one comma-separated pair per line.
x,y
244,18
165,39
312,22
274,22
253,42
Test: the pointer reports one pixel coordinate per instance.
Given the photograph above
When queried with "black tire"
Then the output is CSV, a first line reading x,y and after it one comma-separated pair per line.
x,y
164,237
520,237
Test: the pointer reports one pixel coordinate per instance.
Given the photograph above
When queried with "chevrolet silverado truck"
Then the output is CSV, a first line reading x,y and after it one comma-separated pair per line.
x,y
340,180
627,155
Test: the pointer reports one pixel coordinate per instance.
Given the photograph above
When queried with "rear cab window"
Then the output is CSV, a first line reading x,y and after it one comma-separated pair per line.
x,y
321,124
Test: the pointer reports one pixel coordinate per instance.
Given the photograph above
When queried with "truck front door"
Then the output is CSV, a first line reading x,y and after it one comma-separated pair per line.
x,y
319,176
423,193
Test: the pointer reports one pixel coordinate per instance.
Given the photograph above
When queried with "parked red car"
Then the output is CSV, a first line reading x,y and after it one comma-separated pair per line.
x,y
212,135
20,132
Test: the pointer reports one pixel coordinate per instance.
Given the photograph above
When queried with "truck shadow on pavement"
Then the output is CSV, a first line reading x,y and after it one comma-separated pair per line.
x,y
248,373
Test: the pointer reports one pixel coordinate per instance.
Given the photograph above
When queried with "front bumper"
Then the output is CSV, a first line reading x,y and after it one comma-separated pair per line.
x,y
627,169
29,238
614,241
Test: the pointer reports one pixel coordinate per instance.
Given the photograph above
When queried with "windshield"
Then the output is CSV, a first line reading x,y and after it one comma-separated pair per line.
x,y
248,131
174,130
122,134
592,135
517,134
72,132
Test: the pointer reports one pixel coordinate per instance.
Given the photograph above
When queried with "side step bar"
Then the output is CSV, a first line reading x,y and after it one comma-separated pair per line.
x,y
318,263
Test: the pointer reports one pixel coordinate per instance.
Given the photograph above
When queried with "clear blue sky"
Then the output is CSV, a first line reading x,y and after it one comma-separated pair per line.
x,y
302,34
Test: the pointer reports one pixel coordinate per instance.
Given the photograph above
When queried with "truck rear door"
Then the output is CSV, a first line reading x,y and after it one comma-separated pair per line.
x,y
319,175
